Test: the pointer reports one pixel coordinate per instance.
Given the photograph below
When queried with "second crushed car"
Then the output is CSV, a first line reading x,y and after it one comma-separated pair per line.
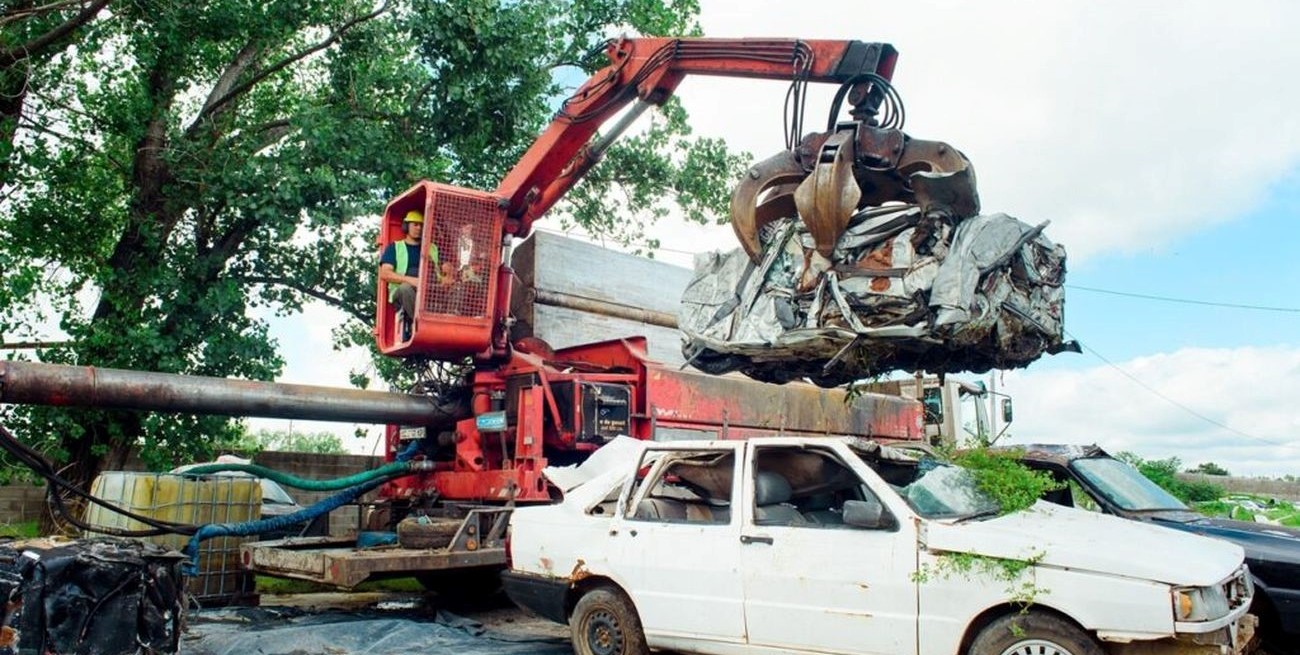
x,y
788,545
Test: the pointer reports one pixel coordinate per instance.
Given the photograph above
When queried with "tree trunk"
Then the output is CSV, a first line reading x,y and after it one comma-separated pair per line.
x,y
107,436
84,465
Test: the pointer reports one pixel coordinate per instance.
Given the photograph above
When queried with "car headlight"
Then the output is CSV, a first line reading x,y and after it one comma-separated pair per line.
x,y
1200,603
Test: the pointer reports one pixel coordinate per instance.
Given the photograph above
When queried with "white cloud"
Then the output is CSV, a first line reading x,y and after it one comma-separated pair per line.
x,y
1126,123
1251,391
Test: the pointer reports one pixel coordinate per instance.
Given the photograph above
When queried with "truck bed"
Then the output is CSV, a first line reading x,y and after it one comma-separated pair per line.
x,y
336,561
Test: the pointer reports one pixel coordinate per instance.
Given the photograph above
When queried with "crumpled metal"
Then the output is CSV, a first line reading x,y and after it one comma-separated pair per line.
x,y
907,291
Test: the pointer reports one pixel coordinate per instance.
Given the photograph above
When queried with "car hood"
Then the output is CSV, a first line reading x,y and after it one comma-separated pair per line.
x,y
1263,542
1076,539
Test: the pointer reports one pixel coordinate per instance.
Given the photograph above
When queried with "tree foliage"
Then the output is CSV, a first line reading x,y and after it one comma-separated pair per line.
x,y
251,443
1209,468
179,170
1001,475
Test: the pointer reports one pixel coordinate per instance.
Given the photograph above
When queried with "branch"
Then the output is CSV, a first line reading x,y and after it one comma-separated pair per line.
x,y
419,95
15,14
33,345
46,98
246,57
28,124
364,317
22,51
214,105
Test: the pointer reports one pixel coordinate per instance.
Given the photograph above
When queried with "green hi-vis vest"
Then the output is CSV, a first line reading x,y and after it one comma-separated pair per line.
x,y
403,261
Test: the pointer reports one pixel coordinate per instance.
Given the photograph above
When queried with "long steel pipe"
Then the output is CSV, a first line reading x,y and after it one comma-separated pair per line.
x,y
87,386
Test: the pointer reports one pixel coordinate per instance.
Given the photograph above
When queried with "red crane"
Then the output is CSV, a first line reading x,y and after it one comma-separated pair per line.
x,y
526,402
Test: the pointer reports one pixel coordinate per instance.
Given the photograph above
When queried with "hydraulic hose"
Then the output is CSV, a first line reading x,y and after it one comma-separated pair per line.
x,y
402,466
296,482
249,528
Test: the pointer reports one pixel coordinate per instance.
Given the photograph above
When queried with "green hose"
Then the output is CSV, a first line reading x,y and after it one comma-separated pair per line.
x,y
303,483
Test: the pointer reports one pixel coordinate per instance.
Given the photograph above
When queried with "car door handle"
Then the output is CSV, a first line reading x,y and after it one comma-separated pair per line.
x,y
755,539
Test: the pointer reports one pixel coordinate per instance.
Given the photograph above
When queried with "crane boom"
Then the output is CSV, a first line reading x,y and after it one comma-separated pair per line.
x,y
648,70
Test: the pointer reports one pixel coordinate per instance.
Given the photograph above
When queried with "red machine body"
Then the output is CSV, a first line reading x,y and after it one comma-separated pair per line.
x,y
554,407
531,405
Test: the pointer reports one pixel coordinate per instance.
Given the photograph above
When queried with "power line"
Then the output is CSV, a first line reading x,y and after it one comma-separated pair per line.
x,y
1143,296
1175,403
1187,301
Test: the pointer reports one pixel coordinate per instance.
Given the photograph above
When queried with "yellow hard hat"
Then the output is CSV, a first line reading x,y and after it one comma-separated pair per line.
x,y
413,217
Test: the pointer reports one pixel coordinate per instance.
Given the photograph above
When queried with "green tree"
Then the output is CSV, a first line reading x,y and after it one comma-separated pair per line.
x,y
182,166
248,444
1209,468
33,34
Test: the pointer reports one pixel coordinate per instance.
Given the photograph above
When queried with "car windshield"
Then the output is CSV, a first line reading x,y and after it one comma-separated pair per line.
x,y
274,494
946,491
1125,486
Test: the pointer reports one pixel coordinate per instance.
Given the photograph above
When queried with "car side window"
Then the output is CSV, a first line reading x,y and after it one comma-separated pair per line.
x,y
804,487
1069,494
1082,499
689,486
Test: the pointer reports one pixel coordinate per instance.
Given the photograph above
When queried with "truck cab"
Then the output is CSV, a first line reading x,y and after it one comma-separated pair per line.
x,y
956,411
811,545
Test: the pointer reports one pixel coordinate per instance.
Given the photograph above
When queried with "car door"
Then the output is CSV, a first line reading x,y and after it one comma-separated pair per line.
x,y
813,583
675,544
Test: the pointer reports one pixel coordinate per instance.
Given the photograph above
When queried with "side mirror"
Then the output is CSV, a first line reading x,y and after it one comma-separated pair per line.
x,y
1006,410
866,514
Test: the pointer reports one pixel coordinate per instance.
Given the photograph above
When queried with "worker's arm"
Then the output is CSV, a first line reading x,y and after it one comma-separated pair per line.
x,y
387,274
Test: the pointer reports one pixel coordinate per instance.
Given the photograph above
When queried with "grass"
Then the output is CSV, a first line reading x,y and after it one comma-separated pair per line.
x,y
1280,511
270,585
20,530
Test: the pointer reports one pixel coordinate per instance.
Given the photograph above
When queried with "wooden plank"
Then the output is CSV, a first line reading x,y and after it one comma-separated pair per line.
x,y
556,265
587,270
565,327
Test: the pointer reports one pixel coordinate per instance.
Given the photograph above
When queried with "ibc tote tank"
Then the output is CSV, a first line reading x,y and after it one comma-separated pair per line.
x,y
194,501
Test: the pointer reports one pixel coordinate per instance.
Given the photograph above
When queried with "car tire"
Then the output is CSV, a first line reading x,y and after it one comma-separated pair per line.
x,y
604,622
1033,633
427,532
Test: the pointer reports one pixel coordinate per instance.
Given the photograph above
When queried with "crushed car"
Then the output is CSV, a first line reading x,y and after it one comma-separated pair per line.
x,y
815,545
902,291
1100,482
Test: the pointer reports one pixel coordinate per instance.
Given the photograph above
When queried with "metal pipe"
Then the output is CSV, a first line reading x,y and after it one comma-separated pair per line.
x,y
87,386
597,150
605,308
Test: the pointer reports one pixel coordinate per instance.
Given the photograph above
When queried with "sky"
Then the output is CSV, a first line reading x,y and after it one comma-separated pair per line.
x,y
1162,142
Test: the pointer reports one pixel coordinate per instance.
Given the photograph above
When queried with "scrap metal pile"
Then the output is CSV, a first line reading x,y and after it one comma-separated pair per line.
x,y
103,596
838,286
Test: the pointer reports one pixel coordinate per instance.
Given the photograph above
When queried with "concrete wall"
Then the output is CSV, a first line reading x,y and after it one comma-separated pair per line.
x,y
25,502
21,501
1288,491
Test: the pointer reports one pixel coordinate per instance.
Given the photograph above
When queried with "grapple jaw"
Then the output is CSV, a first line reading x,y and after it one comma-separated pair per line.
x,y
832,175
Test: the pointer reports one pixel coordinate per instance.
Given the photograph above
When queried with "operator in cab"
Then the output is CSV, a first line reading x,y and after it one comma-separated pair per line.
x,y
399,265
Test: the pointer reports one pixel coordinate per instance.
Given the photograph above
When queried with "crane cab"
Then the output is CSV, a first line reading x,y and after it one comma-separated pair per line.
x,y
459,253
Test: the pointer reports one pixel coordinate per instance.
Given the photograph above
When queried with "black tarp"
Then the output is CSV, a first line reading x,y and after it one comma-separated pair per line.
x,y
285,631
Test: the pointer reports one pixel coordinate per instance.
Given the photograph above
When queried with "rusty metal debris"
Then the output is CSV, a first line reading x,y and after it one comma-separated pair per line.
x,y
912,287
103,596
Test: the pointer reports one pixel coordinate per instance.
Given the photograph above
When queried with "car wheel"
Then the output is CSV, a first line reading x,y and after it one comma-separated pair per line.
x,y
1033,633
605,623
